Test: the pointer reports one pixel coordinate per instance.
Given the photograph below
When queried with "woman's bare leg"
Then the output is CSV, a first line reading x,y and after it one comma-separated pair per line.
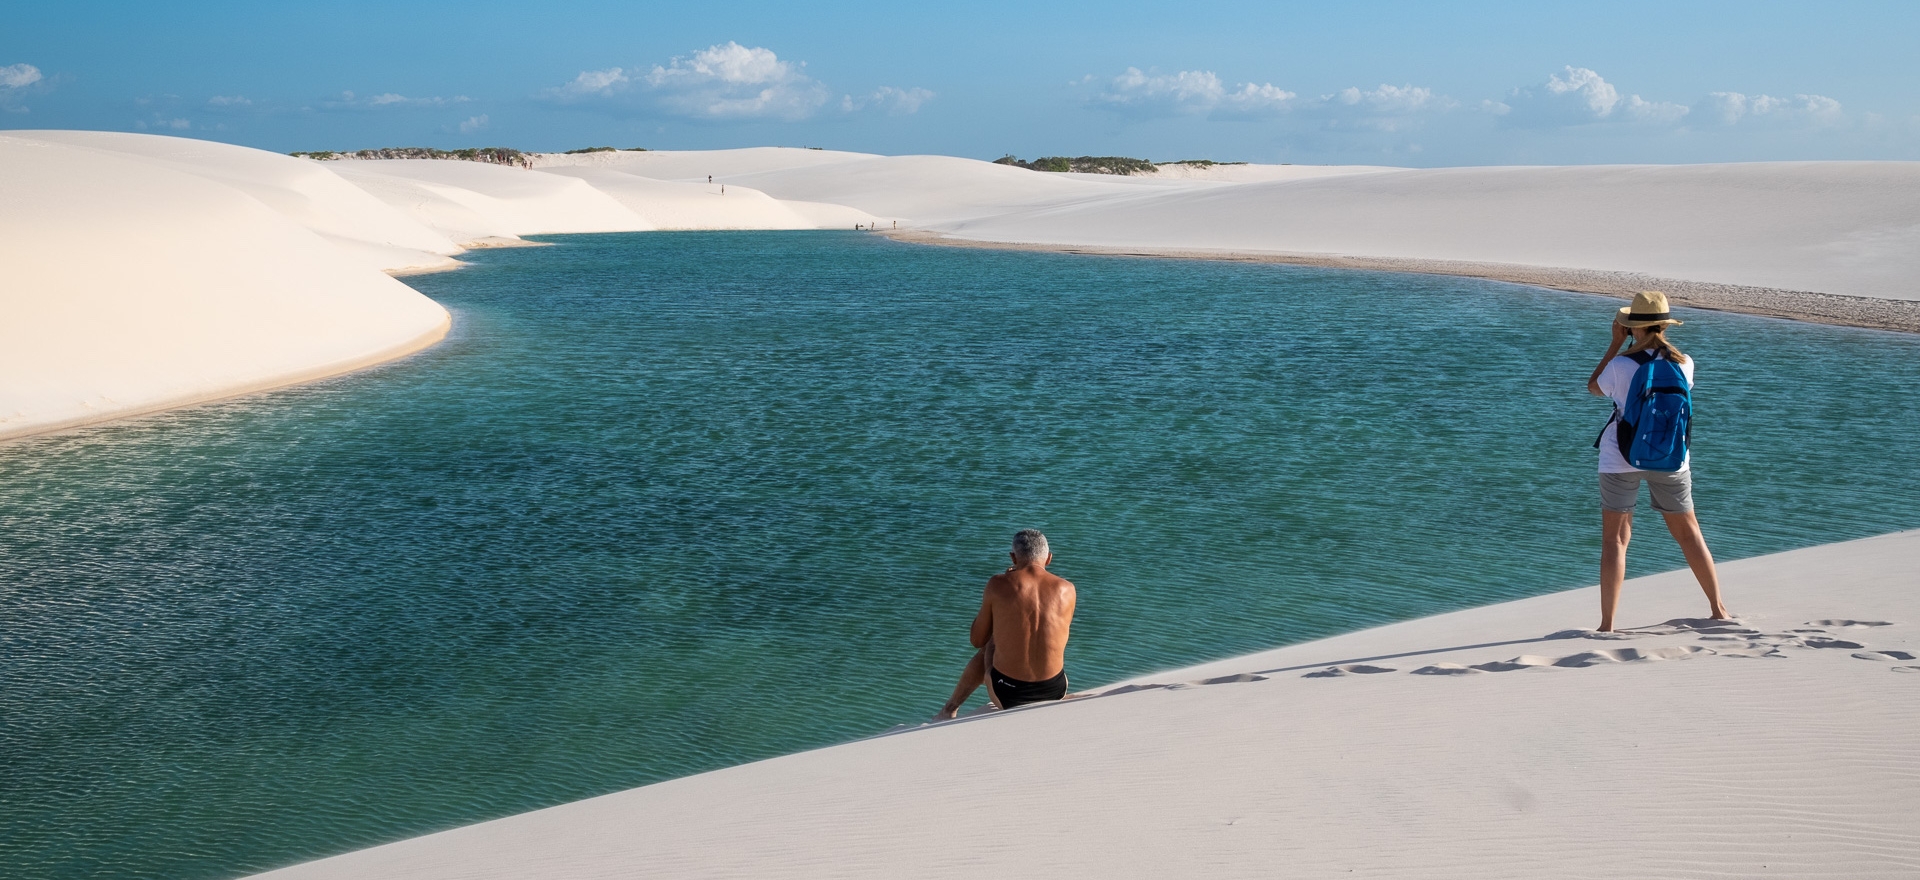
x,y
1686,530
1616,530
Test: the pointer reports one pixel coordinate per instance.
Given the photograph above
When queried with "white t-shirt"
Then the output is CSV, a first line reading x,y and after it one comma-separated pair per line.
x,y
1614,381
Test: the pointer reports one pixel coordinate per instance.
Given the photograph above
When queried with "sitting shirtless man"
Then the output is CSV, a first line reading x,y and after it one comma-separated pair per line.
x,y
1021,632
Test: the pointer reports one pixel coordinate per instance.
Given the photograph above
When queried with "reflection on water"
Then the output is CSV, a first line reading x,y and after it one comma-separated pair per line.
x,y
670,502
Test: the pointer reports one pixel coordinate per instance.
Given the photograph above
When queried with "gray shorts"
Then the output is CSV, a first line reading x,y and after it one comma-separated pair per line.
x,y
1672,492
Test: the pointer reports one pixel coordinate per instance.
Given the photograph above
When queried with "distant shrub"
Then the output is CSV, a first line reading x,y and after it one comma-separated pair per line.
x,y
1082,164
1201,163
591,150
490,155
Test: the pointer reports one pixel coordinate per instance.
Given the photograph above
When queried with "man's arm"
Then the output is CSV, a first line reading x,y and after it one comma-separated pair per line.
x,y
983,622
1613,350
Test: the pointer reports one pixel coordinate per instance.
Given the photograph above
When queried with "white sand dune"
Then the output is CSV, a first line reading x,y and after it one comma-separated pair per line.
x,y
698,165
304,191
939,191
1258,173
140,272
1488,743
680,205
129,286
1850,228
471,201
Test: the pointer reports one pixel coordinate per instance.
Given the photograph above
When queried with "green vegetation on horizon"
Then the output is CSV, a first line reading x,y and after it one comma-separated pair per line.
x,y
1123,165
491,155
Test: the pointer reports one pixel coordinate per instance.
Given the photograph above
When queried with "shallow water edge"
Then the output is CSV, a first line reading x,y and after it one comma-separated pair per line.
x,y
1866,312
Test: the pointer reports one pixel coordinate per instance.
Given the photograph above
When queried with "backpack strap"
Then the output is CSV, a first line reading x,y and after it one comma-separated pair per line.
x,y
1639,357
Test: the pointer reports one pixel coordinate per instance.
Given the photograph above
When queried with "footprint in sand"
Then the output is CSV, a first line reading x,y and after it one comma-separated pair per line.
x,y
1906,668
1849,623
1826,642
1699,625
1594,634
1446,669
1231,679
1750,649
1524,661
1884,655
1629,655
1349,669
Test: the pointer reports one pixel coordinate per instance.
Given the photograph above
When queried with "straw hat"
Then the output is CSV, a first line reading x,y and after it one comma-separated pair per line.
x,y
1649,308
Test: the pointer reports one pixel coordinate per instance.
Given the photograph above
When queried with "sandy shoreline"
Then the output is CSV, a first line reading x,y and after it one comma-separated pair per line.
x,y
1494,742
1797,305
236,267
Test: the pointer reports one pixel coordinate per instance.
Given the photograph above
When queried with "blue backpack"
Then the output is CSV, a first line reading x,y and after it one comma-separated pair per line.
x,y
1656,425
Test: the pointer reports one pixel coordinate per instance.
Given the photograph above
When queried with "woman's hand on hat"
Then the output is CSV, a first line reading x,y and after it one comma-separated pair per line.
x,y
1620,334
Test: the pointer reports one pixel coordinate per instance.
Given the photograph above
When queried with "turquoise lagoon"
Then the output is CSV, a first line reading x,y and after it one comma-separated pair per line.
x,y
664,503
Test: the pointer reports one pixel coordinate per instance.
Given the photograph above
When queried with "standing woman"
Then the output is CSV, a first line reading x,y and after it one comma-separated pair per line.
x,y
1645,322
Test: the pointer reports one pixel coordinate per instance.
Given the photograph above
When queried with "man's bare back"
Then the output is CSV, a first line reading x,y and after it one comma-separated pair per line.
x,y
1025,614
1021,630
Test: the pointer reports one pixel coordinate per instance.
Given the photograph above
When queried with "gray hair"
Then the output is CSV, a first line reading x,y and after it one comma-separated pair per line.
x,y
1029,546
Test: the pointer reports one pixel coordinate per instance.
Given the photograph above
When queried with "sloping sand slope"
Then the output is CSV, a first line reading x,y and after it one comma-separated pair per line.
x,y
1487,743
127,287
679,205
937,191
468,201
698,165
1849,228
301,190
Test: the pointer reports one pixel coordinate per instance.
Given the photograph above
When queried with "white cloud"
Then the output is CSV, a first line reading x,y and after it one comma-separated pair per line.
x,y
1659,112
1202,93
229,101
1734,108
473,124
386,100
592,82
1252,99
731,81
1581,97
901,101
895,102
1584,87
725,81
1188,92
1387,108
14,80
19,76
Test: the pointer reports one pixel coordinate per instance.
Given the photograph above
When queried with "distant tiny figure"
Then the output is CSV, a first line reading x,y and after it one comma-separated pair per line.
x,y
1021,631
709,178
1651,384
896,224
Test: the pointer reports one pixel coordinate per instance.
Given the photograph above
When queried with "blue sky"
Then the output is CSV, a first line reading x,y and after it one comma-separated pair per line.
x,y
1350,82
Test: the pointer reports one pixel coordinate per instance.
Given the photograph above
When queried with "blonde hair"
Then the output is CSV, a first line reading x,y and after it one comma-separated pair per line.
x,y
1655,338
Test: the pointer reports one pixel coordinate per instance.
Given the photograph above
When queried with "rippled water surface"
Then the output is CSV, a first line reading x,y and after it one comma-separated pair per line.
x,y
670,502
